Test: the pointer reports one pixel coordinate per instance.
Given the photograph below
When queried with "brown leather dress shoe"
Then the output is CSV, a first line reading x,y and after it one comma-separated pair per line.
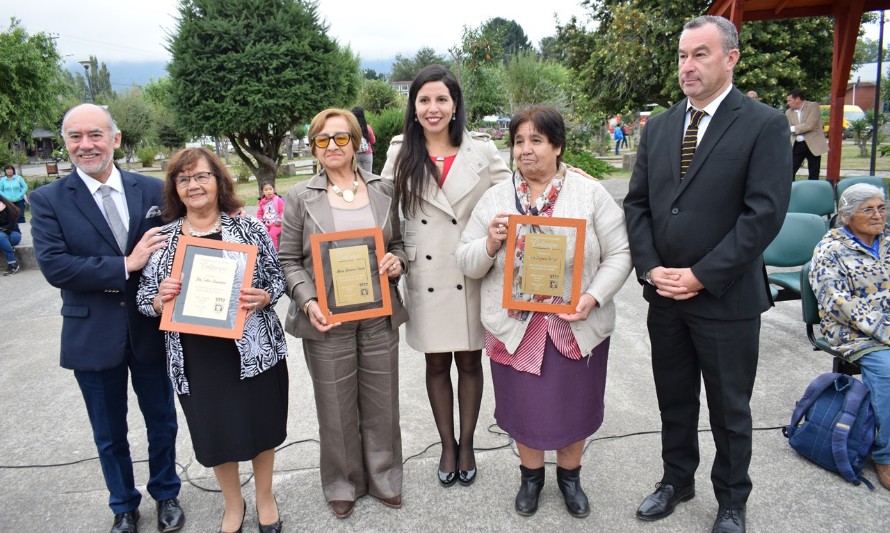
x,y
394,503
883,475
342,508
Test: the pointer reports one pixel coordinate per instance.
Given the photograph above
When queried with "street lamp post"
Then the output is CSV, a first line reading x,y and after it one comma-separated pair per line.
x,y
86,70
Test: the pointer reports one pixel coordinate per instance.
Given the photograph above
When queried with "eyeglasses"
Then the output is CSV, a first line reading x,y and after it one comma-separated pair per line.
x,y
341,138
182,181
870,211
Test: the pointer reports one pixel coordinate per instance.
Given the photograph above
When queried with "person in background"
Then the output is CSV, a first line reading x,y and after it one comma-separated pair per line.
x,y
93,232
354,365
753,95
698,221
807,136
10,234
234,393
14,188
548,369
440,171
850,275
269,211
619,137
365,154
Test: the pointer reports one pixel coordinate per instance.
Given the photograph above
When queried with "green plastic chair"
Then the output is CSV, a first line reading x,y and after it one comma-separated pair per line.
x,y
793,247
845,183
810,307
812,196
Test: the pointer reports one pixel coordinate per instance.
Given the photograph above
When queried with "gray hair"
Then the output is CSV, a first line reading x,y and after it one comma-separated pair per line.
x,y
112,125
853,198
728,32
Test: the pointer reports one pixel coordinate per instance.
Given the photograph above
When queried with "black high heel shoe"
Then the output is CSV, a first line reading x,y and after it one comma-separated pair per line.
x,y
449,478
244,514
466,477
270,528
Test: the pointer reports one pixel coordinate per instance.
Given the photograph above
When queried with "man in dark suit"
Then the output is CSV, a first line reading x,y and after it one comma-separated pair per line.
x,y
698,224
93,232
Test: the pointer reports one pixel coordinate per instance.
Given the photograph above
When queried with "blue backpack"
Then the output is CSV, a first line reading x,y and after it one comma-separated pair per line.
x,y
833,425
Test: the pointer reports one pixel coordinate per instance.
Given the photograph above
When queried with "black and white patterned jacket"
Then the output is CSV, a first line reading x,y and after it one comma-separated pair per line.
x,y
263,343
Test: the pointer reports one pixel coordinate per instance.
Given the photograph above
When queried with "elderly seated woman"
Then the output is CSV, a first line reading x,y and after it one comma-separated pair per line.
x,y
851,279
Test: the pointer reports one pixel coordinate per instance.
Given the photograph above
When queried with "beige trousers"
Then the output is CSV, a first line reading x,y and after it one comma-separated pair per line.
x,y
355,375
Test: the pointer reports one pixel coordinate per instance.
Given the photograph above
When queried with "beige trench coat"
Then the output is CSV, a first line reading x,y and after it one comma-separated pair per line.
x,y
443,304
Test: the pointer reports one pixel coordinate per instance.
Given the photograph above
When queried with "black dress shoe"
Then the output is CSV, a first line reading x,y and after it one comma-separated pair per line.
x,y
271,528
466,477
729,521
569,482
241,527
529,489
170,515
662,502
448,478
126,522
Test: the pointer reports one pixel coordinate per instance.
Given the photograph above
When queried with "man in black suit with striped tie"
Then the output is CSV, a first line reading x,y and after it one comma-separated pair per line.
x,y
708,193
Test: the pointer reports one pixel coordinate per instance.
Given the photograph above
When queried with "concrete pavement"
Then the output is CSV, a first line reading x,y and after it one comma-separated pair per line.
x,y
51,481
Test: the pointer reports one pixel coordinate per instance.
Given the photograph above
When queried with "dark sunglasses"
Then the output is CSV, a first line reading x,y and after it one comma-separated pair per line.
x,y
341,138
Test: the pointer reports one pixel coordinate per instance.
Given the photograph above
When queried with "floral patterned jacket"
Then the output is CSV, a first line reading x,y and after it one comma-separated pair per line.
x,y
853,290
263,343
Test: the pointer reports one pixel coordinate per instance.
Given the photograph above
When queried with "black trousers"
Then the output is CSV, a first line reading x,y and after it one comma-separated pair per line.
x,y
801,151
686,349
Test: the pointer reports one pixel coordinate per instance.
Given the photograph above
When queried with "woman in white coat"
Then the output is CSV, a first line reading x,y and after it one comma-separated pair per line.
x,y
440,171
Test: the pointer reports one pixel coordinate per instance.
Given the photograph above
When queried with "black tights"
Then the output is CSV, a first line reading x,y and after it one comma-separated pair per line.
x,y
469,396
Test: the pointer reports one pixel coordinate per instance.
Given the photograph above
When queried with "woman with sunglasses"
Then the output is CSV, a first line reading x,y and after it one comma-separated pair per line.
x,y
353,365
233,393
440,171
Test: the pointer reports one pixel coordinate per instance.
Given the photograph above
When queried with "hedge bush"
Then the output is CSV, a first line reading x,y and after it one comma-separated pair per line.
x,y
386,124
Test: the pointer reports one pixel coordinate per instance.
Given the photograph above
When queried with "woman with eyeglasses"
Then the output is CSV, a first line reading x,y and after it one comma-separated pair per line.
x,y
850,275
234,393
440,171
354,365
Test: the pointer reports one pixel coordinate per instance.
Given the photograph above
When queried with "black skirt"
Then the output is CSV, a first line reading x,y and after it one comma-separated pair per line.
x,y
231,419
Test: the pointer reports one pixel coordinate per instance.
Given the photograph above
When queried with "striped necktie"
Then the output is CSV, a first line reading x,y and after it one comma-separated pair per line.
x,y
112,215
689,142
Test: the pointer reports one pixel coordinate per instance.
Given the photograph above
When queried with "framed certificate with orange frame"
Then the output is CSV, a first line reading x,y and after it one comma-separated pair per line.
x,y
547,245
213,274
347,278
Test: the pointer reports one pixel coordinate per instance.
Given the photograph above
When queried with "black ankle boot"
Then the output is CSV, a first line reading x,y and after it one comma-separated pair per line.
x,y
529,489
569,482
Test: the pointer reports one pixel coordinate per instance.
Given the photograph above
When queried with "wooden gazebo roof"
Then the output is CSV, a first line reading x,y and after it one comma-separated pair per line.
x,y
847,17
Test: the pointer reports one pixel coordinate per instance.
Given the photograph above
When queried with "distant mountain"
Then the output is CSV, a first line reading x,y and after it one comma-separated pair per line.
x,y
125,74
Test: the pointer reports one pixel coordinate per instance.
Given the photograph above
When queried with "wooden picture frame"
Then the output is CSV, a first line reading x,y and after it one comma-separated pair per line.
x,y
213,274
580,228
353,274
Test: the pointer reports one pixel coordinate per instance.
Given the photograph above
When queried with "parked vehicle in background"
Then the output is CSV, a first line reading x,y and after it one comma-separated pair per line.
x,y
851,113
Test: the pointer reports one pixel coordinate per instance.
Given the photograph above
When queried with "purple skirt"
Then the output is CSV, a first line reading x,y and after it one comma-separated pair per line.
x,y
561,406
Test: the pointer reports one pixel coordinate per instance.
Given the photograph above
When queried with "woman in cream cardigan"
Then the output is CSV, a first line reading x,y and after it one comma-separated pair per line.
x,y
440,170
548,370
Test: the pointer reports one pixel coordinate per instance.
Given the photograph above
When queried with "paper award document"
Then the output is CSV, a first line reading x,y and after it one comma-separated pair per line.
x,y
210,287
351,275
543,267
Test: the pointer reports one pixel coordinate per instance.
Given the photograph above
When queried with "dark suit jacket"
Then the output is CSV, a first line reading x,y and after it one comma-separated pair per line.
x,y
725,212
77,252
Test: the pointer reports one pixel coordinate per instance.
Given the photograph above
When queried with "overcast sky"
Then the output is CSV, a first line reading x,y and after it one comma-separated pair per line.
x,y
135,30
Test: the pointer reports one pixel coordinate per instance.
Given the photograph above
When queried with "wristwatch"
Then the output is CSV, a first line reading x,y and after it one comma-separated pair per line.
x,y
647,277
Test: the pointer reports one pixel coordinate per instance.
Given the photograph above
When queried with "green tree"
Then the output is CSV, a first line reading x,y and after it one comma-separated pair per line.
x,y
99,89
251,70
509,34
405,68
481,72
133,116
168,132
630,59
867,52
33,85
377,95
528,81
371,74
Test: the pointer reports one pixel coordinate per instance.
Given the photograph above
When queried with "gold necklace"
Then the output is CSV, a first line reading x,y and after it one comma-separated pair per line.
x,y
347,195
